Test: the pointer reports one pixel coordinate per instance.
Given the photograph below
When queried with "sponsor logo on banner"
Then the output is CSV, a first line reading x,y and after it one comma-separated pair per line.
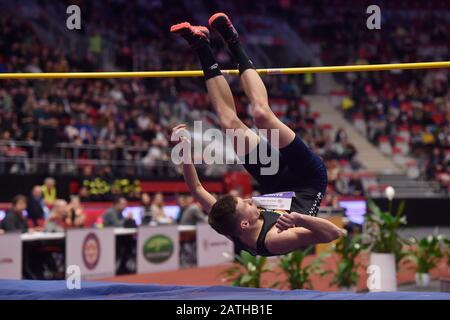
x,y
208,244
158,249
91,251
274,201
6,260
212,248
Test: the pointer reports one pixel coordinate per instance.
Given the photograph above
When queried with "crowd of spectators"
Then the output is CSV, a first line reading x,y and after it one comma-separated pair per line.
x,y
405,113
120,120
402,107
396,110
126,120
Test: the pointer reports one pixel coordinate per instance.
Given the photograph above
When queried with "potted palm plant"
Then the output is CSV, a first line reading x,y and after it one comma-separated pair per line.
x,y
297,272
384,243
247,270
425,254
345,273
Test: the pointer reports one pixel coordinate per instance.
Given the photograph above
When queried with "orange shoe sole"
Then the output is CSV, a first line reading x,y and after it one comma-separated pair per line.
x,y
198,30
217,15
180,26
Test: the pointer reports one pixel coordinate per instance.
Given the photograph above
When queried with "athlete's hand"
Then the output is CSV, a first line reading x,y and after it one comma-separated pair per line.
x,y
288,220
177,130
180,136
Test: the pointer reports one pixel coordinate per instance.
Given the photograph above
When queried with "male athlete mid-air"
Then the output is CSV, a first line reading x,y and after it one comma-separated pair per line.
x,y
301,173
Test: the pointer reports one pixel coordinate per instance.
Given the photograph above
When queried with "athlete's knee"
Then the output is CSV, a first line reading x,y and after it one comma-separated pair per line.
x,y
262,115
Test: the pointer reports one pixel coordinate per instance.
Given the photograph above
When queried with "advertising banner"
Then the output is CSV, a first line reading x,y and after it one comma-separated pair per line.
x,y
158,249
93,251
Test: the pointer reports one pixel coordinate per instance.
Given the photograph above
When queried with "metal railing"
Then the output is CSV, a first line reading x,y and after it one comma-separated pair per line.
x,y
24,157
34,149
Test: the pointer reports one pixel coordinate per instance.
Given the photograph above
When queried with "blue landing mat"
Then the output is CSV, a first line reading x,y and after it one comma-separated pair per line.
x,y
31,290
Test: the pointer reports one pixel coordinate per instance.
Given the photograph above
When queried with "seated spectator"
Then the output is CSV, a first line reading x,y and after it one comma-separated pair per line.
x,y
146,209
113,216
14,220
340,136
349,152
342,186
129,222
56,221
435,163
158,209
76,216
356,187
35,207
49,191
181,200
333,171
192,214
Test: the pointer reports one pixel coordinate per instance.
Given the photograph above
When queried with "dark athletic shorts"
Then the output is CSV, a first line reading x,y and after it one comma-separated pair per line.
x,y
300,170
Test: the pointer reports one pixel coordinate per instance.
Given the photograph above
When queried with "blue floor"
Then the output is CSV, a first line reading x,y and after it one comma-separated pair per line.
x,y
30,290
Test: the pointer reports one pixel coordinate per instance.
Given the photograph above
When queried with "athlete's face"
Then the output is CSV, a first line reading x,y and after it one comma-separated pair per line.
x,y
247,211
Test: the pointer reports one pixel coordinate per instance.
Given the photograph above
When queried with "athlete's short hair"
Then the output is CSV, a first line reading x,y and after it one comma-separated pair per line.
x,y
223,216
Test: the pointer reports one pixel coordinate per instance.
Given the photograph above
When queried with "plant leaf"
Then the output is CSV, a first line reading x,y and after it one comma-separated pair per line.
x,y
401,208
373,207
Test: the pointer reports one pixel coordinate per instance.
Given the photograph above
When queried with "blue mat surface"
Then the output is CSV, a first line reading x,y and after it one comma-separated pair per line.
x,y
30,290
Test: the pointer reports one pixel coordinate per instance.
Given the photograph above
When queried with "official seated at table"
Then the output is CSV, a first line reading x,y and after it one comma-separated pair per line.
x,y
14,220
146,209
76,216
190,212
35,208
113,216
158,214
56,221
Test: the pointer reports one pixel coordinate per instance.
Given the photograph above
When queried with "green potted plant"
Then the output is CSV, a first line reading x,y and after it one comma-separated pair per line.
x,y
297,272
384,243
447,252
247,270
425,254
345,273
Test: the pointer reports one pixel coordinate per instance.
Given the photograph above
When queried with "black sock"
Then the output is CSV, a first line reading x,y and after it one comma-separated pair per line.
x,y
240,56
209,64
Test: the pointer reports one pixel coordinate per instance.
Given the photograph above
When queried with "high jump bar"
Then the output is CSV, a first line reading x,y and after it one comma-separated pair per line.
x,y
199,73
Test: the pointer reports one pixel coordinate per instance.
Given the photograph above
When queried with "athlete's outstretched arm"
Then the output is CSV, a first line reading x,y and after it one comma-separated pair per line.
x,y
323,230
195,187
298,230
197,190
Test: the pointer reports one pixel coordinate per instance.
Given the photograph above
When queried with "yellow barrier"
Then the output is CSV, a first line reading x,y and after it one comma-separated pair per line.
x,y
199,73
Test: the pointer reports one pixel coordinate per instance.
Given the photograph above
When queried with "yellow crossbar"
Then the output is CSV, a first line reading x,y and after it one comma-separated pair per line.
x,y
199,73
